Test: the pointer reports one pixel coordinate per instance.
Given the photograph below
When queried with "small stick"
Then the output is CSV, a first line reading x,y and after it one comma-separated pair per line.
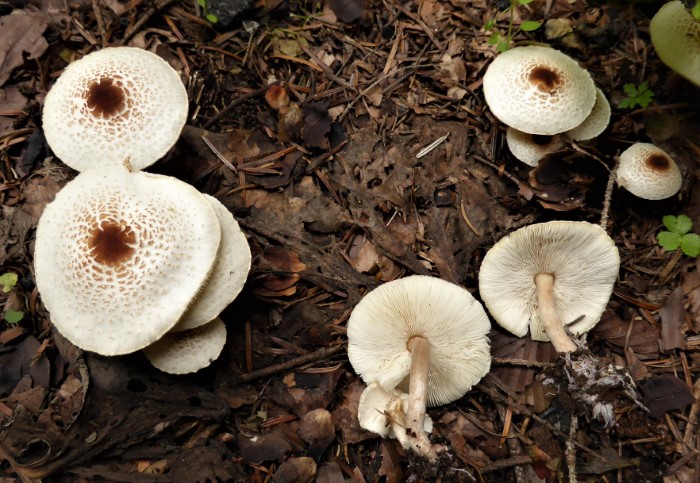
x,y
571,449
297,361
235,103
608,194
142,21
504,361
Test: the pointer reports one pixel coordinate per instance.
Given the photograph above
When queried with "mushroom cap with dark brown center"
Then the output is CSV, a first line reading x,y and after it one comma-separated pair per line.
x,y
116,104
648,172
119,256
538,90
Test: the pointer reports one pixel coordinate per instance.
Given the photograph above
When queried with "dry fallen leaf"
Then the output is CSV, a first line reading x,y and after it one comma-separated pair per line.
x,y
21,36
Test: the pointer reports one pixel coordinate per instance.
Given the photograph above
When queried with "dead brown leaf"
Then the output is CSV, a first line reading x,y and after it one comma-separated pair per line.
x,y
21,36
672,316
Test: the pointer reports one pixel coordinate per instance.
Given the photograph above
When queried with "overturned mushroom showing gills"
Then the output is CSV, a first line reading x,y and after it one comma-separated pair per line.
x,y
538,90
675,35
547,276
119,256
188,351
424,336
648,172
530,148
596,122
116,104
228,275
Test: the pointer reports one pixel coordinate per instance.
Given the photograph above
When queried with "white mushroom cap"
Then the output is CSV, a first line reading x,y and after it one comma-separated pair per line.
x,y
384,412
596,122
188,351
453,322
580,255
538,90
648,172
115,104
530,148
228,275
119,256
675,35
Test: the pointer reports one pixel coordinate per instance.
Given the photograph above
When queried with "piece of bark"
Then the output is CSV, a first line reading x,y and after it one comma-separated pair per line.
x,y
672,316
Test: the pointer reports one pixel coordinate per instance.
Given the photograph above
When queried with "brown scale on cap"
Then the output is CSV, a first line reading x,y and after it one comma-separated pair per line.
x,y
111,243
659,162
105,98
545,79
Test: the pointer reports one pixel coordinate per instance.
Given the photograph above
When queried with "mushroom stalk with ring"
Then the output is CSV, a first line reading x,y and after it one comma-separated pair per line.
x,y
418,393
548,314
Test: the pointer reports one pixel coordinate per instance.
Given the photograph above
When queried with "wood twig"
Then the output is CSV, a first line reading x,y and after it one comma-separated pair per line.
x,y
297,361
608,194
142,21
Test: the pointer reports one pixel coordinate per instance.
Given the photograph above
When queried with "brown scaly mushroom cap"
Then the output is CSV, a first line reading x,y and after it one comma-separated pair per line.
x,y
116,104
648,172
423,331
545,276
675,35
530,148
188,351
119,256
538,90
228,275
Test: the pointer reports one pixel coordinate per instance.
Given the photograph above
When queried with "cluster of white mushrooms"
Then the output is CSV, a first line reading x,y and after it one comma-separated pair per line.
x,y
126,260
546,99
422,341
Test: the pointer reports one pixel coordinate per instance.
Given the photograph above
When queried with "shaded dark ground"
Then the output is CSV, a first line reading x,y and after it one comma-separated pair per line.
x,y
334,201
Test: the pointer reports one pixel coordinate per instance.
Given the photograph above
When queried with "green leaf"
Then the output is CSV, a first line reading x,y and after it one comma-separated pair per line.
x,y
212,18
626,103
489,25
13,316
668,240
524,2
494,38
202,3
502,46
8,281
678,224
630,90
530,25
690,244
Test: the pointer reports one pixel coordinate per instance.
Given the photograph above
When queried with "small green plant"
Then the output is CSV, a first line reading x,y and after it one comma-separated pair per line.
x,y
679,236
695,11
636,96
8,280
209,16
502,42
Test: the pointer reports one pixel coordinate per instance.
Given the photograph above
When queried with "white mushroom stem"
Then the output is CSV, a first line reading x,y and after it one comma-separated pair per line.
x,y
418,394
548,314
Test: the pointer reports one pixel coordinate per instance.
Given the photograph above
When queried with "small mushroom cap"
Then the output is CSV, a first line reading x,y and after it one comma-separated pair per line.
x,y
453,322
116,104
188,351
538,90
227,277
119,256
675,35
530,148
583,259
596,122
384,412
648,172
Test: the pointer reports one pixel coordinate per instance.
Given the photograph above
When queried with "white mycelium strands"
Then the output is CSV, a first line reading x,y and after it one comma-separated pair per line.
x,y
120,255
116,104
